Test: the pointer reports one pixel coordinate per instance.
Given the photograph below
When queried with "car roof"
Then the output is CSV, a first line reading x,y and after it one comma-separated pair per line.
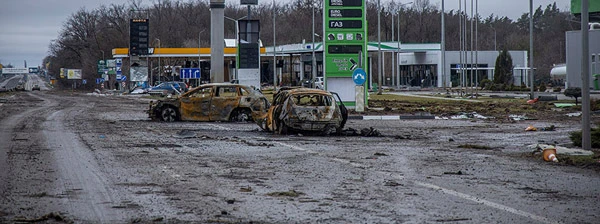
x,y
308,91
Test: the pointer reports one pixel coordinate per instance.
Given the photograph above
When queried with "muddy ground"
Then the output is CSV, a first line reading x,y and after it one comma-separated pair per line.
x,y
83,158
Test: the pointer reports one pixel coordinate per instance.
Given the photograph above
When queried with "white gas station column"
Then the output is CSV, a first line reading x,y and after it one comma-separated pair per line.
x,y
217,44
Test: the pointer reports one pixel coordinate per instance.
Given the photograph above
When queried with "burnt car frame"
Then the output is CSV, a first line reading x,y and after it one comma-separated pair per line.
x,y
211,102
304,110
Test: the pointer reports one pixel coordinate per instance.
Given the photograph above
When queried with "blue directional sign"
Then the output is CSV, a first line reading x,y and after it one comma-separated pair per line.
x,y
189,73
359,76
99,80
123,78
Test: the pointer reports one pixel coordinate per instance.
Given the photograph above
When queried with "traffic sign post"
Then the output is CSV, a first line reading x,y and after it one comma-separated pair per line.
x,y
189,73
345,45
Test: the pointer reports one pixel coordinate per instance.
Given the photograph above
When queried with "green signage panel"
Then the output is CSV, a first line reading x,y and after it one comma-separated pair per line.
x,y
594,6
345,45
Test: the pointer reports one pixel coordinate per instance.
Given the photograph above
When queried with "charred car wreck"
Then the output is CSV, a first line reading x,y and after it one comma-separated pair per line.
x,y
304,110
211,102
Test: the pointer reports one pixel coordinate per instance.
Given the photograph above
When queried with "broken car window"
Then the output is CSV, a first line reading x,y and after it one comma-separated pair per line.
x,y
204,92
227,91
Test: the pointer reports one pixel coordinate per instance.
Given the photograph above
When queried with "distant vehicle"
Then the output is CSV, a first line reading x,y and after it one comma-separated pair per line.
x,y
35,87
211,102
168,88
34,70
316,83
319,84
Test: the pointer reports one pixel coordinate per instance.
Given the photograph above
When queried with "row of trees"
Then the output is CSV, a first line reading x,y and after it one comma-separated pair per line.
x,y
89,35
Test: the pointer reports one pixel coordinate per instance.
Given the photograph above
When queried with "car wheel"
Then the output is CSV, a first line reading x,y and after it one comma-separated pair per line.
x,y
168,114
240,115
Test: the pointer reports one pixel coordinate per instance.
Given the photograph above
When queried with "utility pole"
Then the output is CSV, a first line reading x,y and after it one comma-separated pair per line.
x,y
586,142
443,46
531,77
314,59
274,51
379,47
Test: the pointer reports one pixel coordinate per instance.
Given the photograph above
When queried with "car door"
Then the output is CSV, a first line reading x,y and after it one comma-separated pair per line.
x,y
195,106
225,100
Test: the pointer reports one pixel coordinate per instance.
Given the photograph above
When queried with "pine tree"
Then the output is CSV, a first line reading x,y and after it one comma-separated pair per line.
x,y
503,70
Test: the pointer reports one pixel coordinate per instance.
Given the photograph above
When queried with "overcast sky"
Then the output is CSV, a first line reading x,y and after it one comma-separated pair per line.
x,y
28,26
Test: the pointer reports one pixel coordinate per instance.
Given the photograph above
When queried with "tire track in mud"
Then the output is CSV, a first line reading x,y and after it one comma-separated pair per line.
x,y
17,142
45,167
85,189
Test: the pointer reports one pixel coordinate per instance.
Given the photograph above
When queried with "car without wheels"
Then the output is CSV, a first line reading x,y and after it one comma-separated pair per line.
x,y
304,110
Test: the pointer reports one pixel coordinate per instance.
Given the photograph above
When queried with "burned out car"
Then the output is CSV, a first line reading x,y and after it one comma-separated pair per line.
x,y
304,110
211,102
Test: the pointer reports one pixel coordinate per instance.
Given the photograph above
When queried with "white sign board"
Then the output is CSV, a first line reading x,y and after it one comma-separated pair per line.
x,y
249,77
14,70
74,74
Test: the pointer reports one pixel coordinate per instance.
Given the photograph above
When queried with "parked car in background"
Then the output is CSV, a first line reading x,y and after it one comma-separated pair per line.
x,y
168,88
318,83
35,87
211,102
304,110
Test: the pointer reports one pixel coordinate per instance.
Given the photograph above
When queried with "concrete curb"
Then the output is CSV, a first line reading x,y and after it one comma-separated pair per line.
x,y
390,117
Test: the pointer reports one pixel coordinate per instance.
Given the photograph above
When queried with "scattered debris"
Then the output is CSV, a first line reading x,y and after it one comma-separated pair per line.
x,y
575,114
530,128
520,117
246,189
464,115
533,101
230,201
403,137
185,134
549,154
50,216
380,154
370,132
454,173
562,150
290,193
391,183
549,128
564,105
453,220
365,132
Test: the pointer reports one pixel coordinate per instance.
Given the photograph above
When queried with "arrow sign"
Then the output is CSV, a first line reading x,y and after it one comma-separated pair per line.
x,y
189,73
359,76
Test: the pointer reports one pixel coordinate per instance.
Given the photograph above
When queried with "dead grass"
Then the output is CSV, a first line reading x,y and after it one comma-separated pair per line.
x,y
500,108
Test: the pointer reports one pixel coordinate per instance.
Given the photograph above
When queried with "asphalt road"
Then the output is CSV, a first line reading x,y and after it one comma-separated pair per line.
x,y
98,159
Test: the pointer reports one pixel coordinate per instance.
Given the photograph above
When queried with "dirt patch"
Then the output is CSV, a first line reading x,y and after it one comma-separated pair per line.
x,y
499,110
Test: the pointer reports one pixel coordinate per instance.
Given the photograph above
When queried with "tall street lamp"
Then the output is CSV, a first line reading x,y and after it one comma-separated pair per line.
x,y
158,53
379,47
398,81
314,60
531,47
237,31
274,54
